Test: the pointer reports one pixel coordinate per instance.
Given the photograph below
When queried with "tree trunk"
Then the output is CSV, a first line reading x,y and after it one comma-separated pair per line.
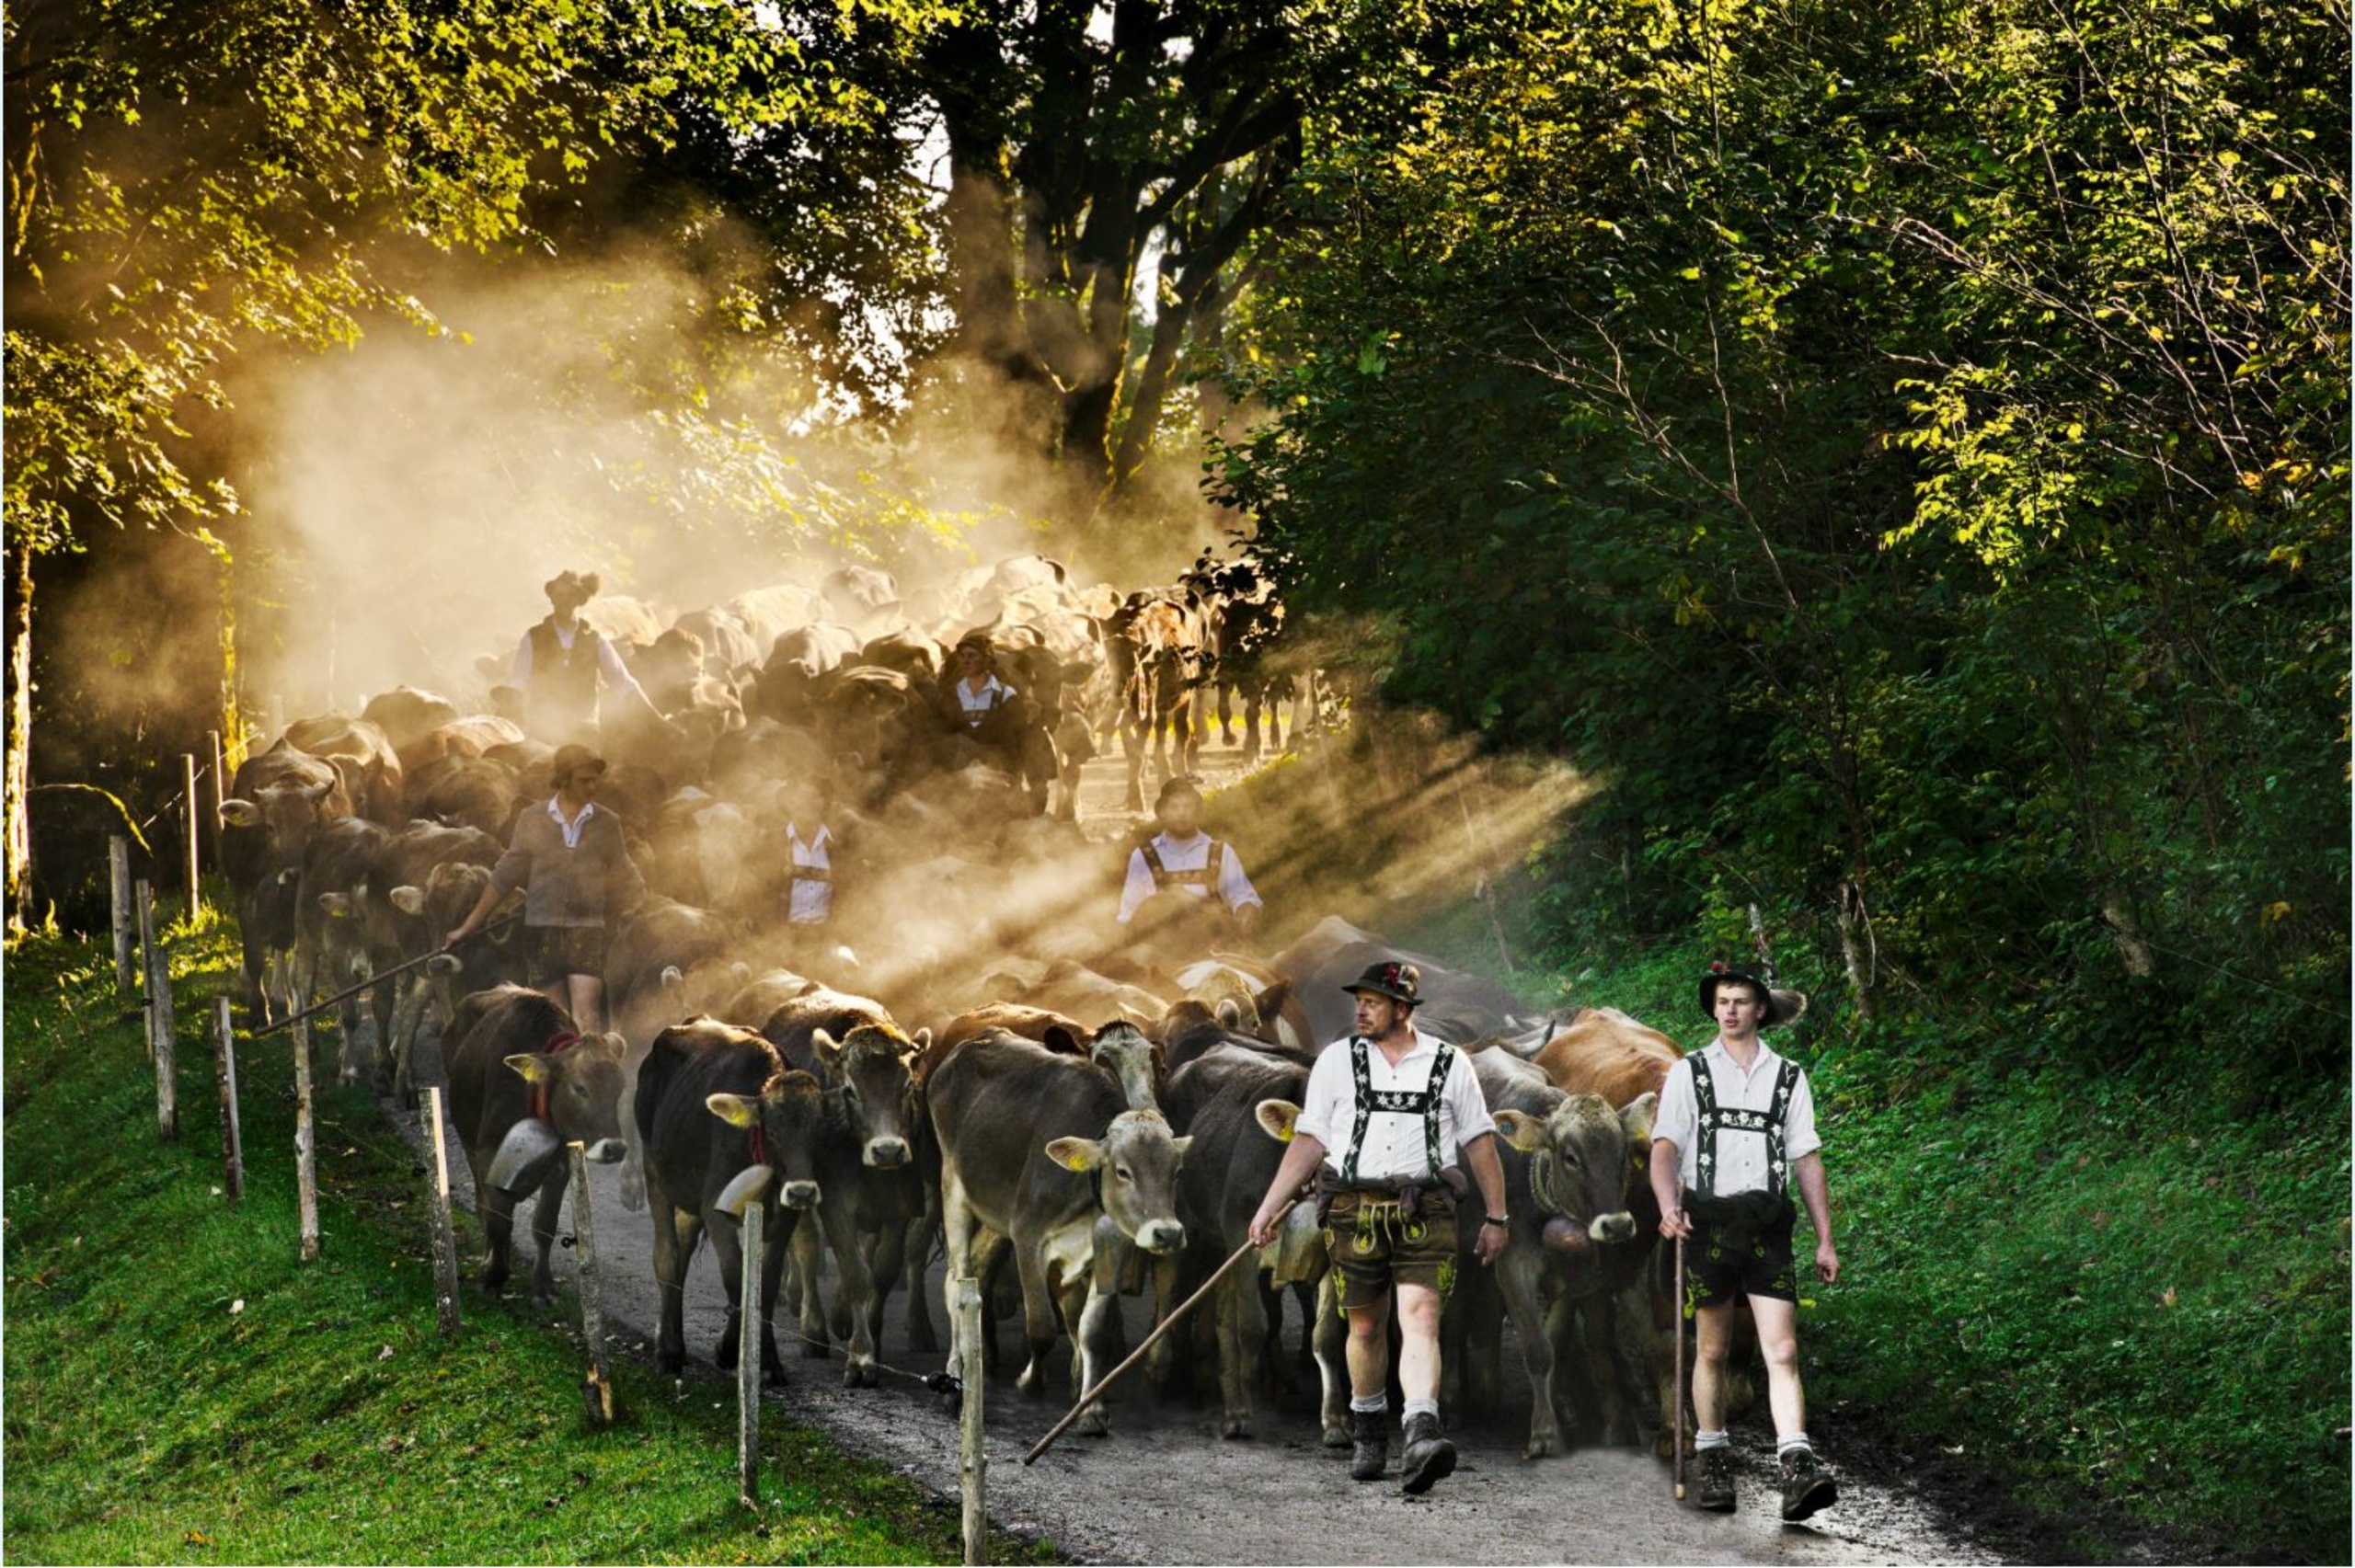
x,y
21,733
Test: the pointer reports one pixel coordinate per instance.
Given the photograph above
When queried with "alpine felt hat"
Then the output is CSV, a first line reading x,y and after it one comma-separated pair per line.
x,y
570,759
1397,981
1782,1006
579,586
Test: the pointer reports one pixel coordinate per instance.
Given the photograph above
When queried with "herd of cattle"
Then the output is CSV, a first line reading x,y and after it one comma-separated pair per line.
x,y
1108,1125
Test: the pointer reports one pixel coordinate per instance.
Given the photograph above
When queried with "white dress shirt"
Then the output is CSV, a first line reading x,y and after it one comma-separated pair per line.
x,y
1234,888
1395,1144
1742,1156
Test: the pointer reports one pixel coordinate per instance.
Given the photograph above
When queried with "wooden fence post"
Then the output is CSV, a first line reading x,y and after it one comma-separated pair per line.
x,y
306,1167
193,815
161,1042
119,884
445,1241
596,1389
232,1148
974,1459
748,1357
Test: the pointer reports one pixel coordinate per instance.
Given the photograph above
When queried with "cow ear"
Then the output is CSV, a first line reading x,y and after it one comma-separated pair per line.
x,y
1063,1041
1271,1000
922,1041
1523,1132
532,1069
241,814
1076,1153
408,900
736,1110
337,904
671,978
1277,1118
1635,1116
824,1047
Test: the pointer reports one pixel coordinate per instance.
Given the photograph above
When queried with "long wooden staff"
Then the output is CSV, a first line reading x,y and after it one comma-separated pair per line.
x,y
1177,1315
378,978
1676,1463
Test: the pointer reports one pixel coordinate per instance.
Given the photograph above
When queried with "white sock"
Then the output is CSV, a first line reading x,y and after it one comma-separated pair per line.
x,y
1797,1441
1702,1440
1415,1407
1371,1405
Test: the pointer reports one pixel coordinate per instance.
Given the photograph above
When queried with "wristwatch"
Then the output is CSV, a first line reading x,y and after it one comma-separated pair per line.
x,y
1499,1221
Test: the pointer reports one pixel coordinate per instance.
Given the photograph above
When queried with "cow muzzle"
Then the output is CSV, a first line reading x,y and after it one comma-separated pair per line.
x,y
1162,1237
800,1195
886,1153
1619,1226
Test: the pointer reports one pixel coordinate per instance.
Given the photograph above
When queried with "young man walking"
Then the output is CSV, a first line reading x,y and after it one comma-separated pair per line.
x,y
1735,1133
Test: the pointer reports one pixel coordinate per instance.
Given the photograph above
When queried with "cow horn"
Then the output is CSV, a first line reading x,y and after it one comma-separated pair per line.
x,y
524,1157
748,1186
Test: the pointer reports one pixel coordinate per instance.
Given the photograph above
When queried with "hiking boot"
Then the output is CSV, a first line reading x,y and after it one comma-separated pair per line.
x,y
1807,1486
1713,1479
1429,1457
1369,1443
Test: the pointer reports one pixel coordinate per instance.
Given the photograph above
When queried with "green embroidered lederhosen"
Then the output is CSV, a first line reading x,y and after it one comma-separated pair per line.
x,y
1382,1233
1741,1242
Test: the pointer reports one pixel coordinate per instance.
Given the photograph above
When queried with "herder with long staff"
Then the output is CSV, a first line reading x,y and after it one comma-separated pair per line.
x,y
1736,1130
1387,1111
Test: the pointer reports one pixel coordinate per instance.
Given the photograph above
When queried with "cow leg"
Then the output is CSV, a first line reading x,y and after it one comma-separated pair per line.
x,y
676,1232
857,1297
545,1215
1134,742
1242,1330
920,1233
1226,715
808,1268
886,1263
497,1211
1253,701
1092,1307
957,1239
1038,1313
407,1018
1518,1275
1329,1333
771,1282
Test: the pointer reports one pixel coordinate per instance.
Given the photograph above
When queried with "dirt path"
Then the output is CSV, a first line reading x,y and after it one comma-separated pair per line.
x,y
1164,1488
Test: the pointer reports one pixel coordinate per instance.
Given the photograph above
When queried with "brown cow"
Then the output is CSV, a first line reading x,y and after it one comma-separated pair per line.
x,y
522,1085
372,769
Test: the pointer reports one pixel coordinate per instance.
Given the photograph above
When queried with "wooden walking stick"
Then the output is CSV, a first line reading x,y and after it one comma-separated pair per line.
x,y
1175,1317
1676,1451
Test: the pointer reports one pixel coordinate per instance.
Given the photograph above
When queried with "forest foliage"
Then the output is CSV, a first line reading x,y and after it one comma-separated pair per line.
x,y
1902,450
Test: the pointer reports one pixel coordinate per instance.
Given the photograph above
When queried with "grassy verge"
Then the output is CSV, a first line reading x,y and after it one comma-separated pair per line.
x,y
2111,1288
181,1390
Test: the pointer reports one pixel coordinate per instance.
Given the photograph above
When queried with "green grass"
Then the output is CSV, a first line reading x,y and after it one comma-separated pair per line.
x,y
2117,1286
181,1390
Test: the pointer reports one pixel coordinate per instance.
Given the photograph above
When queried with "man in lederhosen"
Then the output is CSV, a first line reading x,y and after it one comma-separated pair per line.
x,y
804,872
561,663
1182,873
1735,1133
1389,1112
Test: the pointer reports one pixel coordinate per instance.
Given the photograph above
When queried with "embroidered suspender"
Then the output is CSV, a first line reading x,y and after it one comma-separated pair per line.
x,y
1717,1119
1423,1103
1202,877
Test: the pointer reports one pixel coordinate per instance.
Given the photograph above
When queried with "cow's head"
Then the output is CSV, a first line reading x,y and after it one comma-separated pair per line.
x,y
873,1070
1122,1050
1584,1159
1136,1163
584,1086
786,1111
289,812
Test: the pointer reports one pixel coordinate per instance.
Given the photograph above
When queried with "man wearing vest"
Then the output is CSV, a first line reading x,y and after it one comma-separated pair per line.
x,y
559,663
1187,869
1388,1113
1735,1133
